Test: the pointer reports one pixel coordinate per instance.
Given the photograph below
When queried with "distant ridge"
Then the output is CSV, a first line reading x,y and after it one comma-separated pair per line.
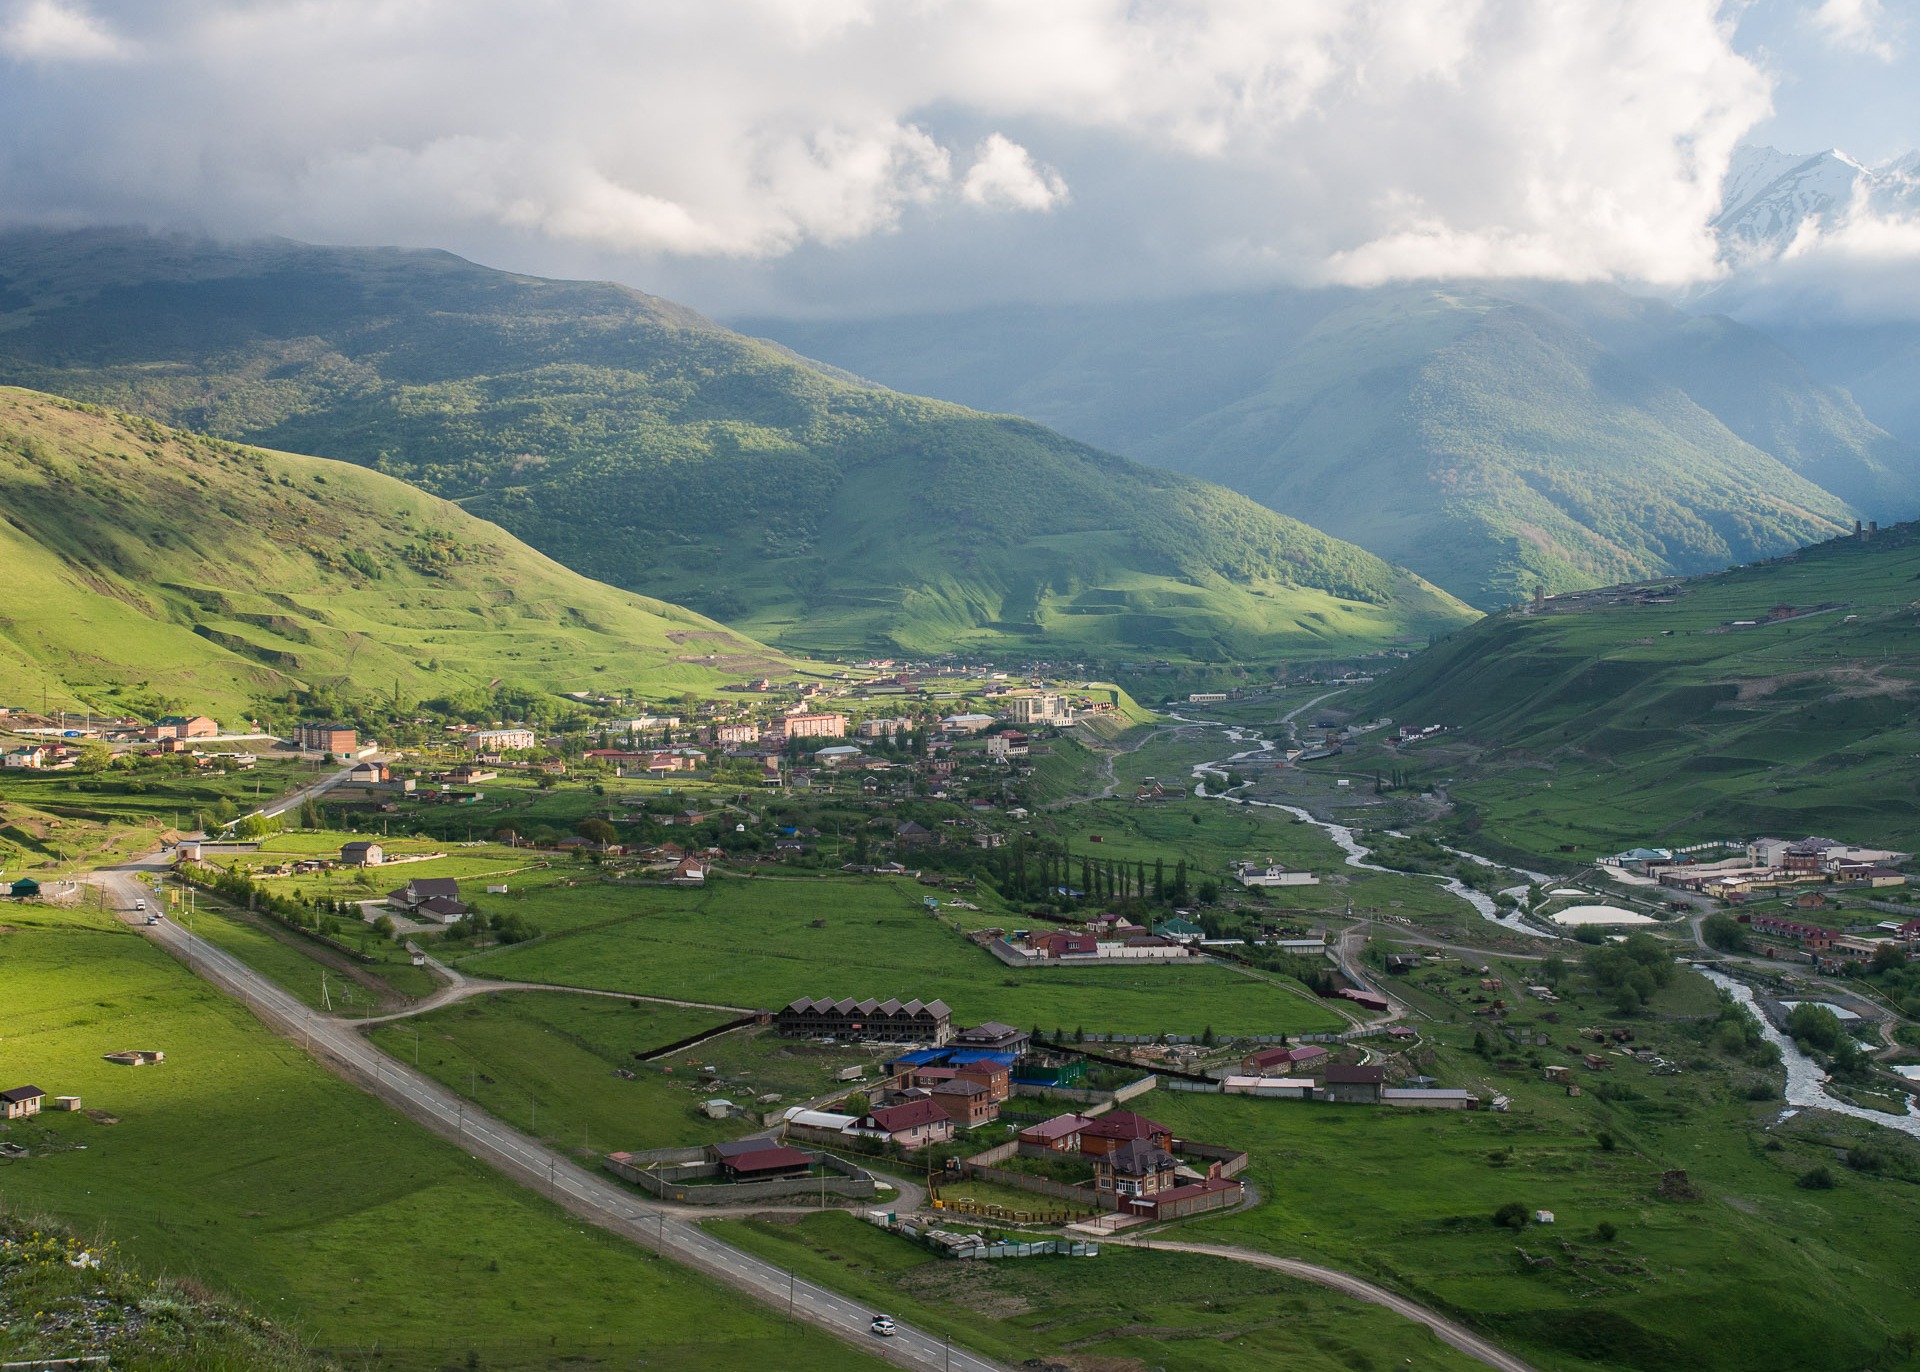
x,y
642,445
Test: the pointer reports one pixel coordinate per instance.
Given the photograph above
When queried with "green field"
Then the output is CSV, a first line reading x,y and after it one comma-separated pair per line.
x,y
1602,725
754,943
64,821
1121,1310
241,1164
1754,1274
545,1063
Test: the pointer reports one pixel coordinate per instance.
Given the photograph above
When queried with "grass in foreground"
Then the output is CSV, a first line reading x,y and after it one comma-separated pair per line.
x,y
242,1164
62,1297
1122,1309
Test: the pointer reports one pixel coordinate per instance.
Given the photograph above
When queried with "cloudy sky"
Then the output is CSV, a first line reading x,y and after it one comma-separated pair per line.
x,y
818,156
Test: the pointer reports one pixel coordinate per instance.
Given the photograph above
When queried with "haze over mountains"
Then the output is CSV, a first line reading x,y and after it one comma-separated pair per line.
x,y
1492,437
642,445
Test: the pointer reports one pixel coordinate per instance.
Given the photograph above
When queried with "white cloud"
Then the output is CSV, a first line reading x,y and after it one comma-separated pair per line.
x,y
1005,175
1861,26
48,31
1353,139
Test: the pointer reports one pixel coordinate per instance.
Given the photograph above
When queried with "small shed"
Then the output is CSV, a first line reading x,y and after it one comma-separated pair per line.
x,y
21,1101
24,889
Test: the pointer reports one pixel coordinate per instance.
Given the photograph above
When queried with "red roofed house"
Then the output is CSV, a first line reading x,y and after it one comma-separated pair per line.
x,y
1103,1135
1061,1134
1256,1064
911,1125
759,1159
1059,945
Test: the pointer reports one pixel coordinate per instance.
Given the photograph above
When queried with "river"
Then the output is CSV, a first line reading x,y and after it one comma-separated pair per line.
x,y
1356,851
1806,1089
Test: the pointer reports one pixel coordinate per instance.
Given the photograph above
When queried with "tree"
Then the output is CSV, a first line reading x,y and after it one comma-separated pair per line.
x,y
95,757
257,826
596,831
1724,932
310,814
1512,1215
384,926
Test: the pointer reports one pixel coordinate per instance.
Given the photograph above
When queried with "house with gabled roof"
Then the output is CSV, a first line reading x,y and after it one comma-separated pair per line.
x,y
885,1021
1117,1127
912,1124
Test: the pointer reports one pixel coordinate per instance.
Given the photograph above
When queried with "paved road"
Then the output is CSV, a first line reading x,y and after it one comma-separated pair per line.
x,y
294,799
1445,1329
594,1198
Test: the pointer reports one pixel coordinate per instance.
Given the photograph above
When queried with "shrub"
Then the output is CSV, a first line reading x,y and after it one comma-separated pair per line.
x,y
1865,1159
1607,1231
1512,1215
1816,1179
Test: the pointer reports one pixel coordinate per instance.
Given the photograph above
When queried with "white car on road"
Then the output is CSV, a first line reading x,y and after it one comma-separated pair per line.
x,y
882,1325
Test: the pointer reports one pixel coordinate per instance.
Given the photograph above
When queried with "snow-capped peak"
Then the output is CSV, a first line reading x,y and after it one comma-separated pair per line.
x,y
1770,197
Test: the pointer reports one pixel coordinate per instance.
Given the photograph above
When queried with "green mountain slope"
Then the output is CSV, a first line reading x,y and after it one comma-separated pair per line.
x,y
1490,438
145,564
1754,386
1652,714
642,445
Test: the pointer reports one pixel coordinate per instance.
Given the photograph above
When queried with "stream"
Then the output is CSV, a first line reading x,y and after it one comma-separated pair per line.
x,y
1806,1089
1343,836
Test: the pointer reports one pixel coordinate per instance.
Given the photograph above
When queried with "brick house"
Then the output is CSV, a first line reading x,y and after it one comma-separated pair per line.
x,y
912,1125
1138,1167
1061,1134
967,1103
1110,1131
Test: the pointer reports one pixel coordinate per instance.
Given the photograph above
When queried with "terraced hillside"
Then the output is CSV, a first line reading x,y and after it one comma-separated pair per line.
x,y
145,566
642,445
1773,698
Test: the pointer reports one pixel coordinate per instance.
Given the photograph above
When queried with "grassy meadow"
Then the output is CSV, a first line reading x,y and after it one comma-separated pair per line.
x,y
545,1062
1123,1309
1661,718
218,576
762,942
241,1164
1752,1273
